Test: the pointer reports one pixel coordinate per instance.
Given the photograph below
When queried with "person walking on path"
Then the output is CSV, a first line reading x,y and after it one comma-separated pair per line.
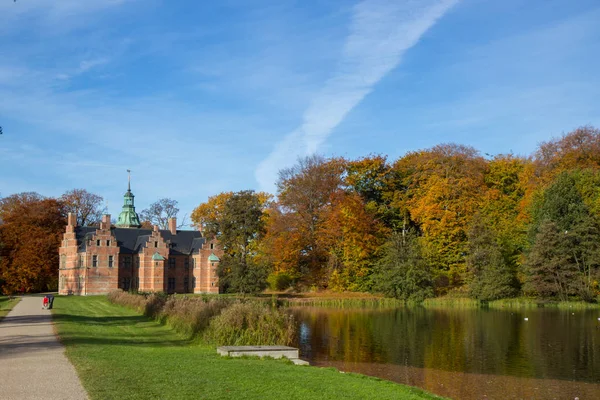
x,y
32,360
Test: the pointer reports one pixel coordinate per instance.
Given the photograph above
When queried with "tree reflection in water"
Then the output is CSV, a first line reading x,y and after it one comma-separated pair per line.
x,y
461,353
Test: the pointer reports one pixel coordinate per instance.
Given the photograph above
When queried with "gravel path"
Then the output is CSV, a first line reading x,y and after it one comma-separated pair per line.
x,y
32,360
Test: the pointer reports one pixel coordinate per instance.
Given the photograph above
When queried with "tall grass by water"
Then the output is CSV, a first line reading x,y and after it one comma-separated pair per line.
x,y
231,320
252,322
436,302
370,302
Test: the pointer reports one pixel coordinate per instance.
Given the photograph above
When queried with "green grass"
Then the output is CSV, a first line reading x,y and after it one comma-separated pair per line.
x,y
120,354
6,305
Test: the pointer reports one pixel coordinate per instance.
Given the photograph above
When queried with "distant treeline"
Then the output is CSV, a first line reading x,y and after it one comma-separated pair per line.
x,y
444,220
436,221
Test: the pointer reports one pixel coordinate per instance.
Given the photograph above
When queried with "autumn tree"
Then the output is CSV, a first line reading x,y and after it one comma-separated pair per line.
x,y
505,204
351,234
86,206
305,192
159,213
579,149
30,234
441,190
402,272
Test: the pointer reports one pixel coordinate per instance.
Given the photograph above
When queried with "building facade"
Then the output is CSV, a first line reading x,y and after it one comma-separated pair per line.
x,y
98,260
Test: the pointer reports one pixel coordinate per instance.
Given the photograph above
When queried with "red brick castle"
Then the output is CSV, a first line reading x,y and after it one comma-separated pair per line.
x,y
98,260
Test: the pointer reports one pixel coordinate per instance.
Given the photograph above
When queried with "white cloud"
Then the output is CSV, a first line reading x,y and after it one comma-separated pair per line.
x,y
380,32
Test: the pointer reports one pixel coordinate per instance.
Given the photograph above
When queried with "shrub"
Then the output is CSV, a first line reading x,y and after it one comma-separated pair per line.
x,y
251,323
279,281
191,315
122,298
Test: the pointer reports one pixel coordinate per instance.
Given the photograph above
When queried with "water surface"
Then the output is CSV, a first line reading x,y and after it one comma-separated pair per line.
x,y
461,353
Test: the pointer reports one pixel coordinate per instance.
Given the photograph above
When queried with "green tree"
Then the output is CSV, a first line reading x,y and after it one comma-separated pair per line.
x,y
238,230
550,268
490,276
402,272
565,255
560,203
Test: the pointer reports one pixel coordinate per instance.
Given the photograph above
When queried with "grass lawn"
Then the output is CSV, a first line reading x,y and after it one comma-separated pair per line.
x,y
6,305
119,354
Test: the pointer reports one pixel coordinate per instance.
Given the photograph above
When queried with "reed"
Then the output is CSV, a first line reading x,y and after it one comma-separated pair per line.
x,y
251,323
226,320
374,302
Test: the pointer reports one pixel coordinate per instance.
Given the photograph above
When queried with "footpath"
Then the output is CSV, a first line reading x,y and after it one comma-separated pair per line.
x,y
32,360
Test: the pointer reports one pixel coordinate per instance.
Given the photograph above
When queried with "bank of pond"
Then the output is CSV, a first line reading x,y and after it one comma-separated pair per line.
x,y
458,348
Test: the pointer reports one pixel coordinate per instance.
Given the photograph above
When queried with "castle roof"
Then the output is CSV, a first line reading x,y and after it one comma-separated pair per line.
x,y
133,240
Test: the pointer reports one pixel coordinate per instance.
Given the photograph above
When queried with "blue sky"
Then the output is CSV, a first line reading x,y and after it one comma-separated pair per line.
x,y
197,98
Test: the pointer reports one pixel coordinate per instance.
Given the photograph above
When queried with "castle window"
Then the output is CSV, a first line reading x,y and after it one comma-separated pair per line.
x,y
126,284
186,284
172,262
171,285
108,242
193,263
110,261
127,261
186,263
94,260
155,244
212,246
80,260
97,242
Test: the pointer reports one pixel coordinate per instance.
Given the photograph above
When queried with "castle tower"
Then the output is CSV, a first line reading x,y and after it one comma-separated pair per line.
x,y
128,218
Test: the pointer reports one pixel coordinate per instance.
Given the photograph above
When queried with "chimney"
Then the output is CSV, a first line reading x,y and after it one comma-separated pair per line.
x,y
173,225
71,223
72,220
105,224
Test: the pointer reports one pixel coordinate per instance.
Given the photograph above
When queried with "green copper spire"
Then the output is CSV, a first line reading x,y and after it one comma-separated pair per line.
x,y
128,217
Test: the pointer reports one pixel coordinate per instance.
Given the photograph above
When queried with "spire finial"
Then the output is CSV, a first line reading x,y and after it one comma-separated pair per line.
x,y
129,180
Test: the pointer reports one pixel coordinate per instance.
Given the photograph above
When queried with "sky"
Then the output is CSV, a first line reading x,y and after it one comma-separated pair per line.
x,y
197,98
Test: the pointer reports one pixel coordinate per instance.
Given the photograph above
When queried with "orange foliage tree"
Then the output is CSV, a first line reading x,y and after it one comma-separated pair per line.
x,y
441,190
30,235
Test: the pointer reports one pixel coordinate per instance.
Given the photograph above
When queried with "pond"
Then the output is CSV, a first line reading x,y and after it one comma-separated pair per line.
x,y
461,353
